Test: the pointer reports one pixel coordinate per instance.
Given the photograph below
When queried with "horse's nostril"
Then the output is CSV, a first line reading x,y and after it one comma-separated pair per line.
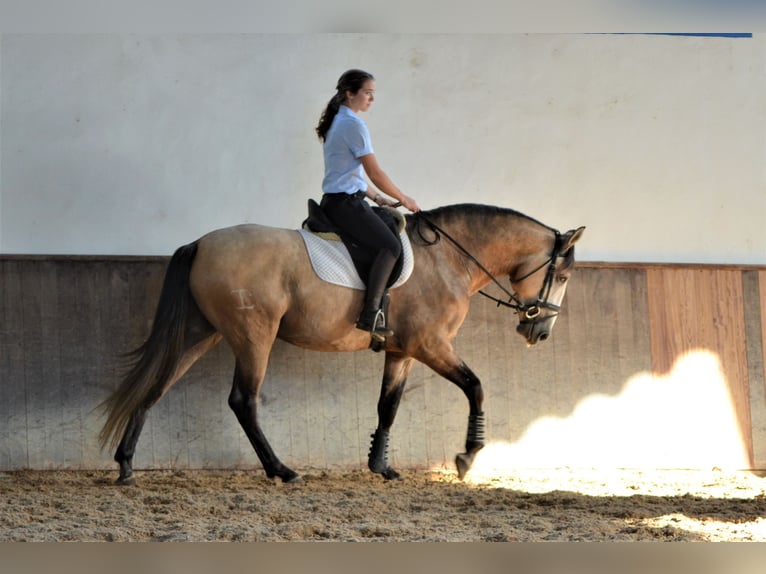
x,y
543,336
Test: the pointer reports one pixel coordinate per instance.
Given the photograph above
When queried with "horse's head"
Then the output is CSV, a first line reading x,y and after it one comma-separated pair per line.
x,y
540,290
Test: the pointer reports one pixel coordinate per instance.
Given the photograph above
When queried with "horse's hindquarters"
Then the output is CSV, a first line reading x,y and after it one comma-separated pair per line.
x,y
254,282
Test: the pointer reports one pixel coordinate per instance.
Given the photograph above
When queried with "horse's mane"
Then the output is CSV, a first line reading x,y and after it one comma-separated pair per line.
x,y
447,212
443,215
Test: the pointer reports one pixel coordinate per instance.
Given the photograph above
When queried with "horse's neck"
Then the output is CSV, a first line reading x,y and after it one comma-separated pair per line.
x,y
501,242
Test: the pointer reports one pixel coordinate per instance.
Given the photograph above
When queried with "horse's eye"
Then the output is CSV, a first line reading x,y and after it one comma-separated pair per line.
x,y
562,278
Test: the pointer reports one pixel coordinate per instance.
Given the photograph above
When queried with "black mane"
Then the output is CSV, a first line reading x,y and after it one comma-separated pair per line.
x,y
448,212
443,215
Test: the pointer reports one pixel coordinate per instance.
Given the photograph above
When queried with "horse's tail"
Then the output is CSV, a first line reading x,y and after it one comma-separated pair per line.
x,y
156,360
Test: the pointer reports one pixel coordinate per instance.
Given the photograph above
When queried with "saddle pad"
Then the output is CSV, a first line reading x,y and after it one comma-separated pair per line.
x,y
332,262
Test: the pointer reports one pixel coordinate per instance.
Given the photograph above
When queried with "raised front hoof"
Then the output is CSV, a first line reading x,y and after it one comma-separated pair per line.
x,y
463,462
129,480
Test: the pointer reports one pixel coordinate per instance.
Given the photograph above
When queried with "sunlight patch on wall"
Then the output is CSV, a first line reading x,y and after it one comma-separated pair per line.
x,y
683,419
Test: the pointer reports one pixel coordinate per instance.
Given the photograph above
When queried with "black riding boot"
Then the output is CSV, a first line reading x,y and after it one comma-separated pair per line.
x,y
372,318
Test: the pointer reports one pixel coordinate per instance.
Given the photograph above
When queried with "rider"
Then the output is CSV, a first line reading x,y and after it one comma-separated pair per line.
x,y
347,153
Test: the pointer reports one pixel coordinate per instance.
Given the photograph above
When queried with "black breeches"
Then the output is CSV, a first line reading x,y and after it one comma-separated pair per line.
x,y
356,218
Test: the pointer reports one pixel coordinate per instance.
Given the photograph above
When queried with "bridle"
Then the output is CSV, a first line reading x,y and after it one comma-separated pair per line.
x,y
530,312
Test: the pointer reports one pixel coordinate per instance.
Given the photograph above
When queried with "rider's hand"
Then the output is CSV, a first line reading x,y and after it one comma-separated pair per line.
x,y
410,203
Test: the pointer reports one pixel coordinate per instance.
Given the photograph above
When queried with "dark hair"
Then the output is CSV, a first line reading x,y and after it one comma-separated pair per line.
x,y
351,81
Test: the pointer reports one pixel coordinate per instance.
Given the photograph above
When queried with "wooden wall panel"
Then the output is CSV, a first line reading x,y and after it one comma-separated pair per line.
x,y
698,308
755,322
762,290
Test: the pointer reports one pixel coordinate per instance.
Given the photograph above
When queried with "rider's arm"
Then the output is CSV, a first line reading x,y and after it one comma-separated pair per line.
x,y
383,182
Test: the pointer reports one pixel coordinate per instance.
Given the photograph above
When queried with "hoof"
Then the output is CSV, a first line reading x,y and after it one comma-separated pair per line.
x,y
463,462
381,467
390,474
378,466
126,481
289,476
384,470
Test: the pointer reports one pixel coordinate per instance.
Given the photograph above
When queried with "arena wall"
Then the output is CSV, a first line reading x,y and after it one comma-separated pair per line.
x,y
648,366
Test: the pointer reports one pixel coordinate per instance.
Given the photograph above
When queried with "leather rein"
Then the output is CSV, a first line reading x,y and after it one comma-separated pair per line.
x,y
530,311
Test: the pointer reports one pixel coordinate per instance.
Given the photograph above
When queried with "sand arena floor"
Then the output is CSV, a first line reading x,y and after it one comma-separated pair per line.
x,y
544,505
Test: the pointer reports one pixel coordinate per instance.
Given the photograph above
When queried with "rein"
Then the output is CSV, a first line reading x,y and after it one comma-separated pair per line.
x,y
530,311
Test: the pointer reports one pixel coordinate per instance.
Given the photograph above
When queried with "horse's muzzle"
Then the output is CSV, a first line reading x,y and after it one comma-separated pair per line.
x,y
534,331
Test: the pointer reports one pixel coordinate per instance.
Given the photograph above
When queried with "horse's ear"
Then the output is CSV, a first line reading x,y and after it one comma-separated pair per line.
x,y
570,238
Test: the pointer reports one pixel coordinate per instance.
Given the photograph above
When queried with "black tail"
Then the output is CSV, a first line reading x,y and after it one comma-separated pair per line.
x,y
154,362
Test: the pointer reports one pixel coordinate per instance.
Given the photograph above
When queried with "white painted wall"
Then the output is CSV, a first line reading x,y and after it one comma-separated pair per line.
x,y
132,144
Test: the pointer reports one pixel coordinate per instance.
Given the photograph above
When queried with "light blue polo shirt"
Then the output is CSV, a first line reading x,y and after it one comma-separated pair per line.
x,y
347,140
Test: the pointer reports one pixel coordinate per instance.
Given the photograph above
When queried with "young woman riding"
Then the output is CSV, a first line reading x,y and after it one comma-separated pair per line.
x,y
348,155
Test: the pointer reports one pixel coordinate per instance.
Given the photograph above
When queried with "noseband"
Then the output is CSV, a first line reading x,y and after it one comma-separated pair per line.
x,y
530,312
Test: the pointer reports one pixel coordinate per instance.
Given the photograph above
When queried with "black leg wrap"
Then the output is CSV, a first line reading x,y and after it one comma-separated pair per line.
x,y
475,438
378,459
474,442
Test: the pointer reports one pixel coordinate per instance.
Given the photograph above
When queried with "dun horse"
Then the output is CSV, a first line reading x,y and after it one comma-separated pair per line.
x,y
252,284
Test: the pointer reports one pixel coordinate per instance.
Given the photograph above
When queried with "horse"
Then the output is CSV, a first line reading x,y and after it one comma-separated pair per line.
x,y
251,284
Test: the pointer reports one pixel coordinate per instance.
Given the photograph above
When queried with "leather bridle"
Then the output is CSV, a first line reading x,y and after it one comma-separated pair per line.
x,y
530,312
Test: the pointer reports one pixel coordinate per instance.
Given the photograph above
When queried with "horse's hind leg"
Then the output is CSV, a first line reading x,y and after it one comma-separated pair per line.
x,y
243,400
395,374
127,447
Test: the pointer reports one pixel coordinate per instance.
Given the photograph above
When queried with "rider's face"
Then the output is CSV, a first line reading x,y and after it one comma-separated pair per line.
x,y
362,100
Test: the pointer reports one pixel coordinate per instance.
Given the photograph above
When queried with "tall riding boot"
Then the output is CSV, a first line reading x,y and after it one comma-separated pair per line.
x,y
372,318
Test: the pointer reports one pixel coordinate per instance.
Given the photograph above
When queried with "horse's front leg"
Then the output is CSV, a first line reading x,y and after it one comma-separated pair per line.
x,y
474,441
395,373
451,367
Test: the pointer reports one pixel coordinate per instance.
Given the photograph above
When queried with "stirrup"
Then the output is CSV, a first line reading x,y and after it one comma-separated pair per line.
x,y
378,328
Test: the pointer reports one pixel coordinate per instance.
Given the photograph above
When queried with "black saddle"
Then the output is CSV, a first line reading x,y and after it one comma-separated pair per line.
x,y
318,222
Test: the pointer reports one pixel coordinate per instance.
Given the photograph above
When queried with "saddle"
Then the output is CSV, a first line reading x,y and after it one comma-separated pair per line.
x,y
318,223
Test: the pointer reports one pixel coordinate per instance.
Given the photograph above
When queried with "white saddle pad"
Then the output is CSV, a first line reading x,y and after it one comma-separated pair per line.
x,y
332,261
